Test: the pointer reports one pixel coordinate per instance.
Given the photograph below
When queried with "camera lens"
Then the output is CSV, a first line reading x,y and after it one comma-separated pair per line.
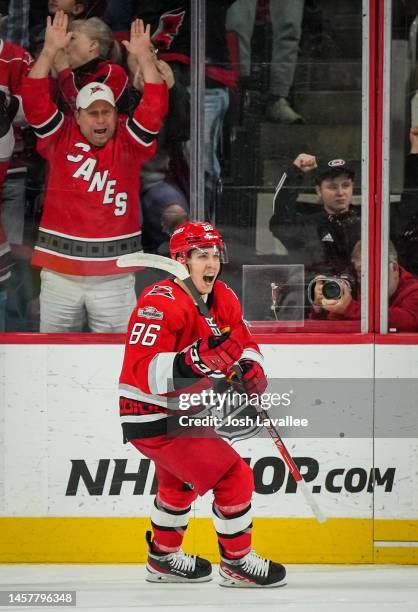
x,y
331,290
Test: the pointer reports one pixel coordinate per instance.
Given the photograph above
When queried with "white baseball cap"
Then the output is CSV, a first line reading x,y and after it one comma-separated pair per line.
x,y
92,92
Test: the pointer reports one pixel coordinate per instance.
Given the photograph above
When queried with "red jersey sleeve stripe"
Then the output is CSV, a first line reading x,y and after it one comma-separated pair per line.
x,y
49,126
140,133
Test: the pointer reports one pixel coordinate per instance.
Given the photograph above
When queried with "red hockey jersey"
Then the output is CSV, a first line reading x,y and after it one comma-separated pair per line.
x,y
14,64
91,208
164,322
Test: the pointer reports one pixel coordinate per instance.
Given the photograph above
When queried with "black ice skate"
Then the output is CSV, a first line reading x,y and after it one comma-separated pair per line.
x,y
251,571
176,567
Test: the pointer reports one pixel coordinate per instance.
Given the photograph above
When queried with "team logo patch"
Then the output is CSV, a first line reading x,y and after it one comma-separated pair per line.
x,y
96,88
336,163
163,290
149,312
168,28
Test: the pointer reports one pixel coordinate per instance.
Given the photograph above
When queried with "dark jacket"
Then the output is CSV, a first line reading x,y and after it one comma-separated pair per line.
x,y
171,31
321,241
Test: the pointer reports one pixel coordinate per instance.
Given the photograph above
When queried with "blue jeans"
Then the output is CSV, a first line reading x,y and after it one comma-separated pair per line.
x,y
13,211
286,21
216,105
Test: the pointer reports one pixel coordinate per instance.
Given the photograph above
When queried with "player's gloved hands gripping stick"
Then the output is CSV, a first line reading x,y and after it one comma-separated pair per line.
x,y
213,354
251,377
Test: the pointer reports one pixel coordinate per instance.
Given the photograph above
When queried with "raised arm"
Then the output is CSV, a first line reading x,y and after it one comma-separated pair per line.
x,y
56,38
142,51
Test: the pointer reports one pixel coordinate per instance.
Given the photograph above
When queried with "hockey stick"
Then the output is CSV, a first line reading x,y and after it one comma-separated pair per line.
x,y
135,260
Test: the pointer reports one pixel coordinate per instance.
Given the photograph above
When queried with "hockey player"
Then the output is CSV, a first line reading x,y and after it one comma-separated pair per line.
x,y
90,214
168,345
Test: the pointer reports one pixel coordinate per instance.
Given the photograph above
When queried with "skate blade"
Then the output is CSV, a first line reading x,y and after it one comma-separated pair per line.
x,y
153,576
241,584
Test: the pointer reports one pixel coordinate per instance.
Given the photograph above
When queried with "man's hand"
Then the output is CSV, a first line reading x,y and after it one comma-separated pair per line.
x,y
140,45
317,293
141,48
212,354
305,162
56,35
253,380
339,306
56,38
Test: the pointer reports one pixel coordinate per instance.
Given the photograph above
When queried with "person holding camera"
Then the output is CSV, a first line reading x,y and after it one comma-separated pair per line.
x,y
402,291
320,237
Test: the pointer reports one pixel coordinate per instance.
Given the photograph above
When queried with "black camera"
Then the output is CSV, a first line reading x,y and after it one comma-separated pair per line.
x,y
332,288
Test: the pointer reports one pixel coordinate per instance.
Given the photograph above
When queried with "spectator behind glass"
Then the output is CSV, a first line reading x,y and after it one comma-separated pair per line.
x,y
14,25
14,62
321,237
90,214
170,25
164,204
91,55
402,292
404,216
286,19
74,9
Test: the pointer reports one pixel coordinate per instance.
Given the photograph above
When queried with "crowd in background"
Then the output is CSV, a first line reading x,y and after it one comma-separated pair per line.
x,y
325,238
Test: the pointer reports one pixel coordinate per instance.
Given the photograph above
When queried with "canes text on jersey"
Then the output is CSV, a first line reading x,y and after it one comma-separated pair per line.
x,y
98,181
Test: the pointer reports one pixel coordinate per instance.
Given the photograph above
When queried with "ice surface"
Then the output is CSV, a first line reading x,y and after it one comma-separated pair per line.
x,y
310,588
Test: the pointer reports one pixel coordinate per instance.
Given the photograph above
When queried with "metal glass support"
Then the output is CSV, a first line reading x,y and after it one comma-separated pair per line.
x,y
365,119
384,238
197,101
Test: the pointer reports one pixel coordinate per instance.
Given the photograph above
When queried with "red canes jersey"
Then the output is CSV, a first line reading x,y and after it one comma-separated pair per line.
x,y
91,213
166,321
5,254
14,65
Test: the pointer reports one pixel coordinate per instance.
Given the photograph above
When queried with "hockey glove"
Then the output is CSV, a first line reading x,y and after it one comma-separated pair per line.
x,y
253,380
212,354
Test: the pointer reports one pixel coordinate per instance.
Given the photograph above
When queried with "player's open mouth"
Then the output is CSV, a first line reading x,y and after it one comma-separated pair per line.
x,y
209,278
100,132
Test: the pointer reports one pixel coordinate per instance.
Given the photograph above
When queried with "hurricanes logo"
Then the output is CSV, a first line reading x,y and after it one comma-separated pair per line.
x,y
336,163
95,88
163,290
168,28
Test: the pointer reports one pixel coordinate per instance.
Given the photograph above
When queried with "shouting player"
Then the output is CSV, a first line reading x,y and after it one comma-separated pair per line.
x,y
90,214
169,346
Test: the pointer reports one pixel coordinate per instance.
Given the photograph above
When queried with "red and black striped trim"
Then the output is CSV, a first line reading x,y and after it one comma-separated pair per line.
x,y
139,132
50,126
